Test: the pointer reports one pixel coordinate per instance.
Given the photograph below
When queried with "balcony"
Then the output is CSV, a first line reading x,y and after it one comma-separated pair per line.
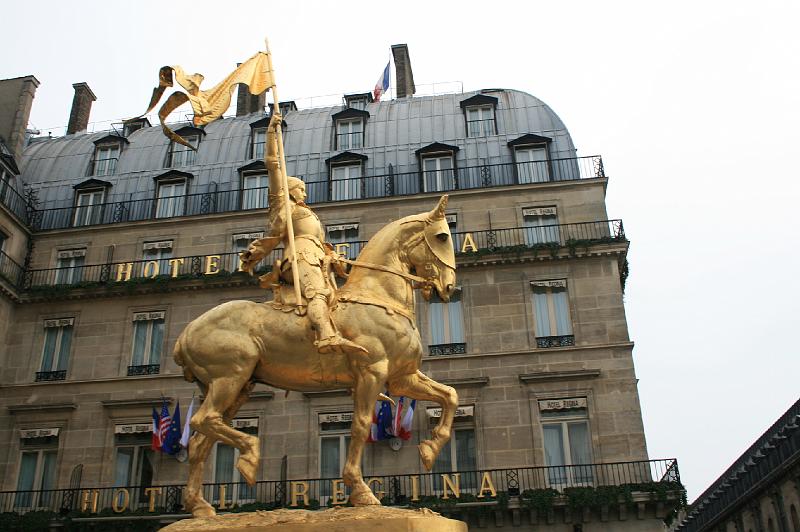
x,y
447,349
594,490
543,342
46,376
377,186
146,369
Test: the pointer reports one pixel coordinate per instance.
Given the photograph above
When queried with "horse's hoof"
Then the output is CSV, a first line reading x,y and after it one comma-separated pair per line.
x,y
364,497
247,466
203,510
427,454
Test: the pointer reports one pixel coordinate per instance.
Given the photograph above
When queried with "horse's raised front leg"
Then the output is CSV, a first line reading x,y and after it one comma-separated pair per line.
x,y
368,386
420,386
199,447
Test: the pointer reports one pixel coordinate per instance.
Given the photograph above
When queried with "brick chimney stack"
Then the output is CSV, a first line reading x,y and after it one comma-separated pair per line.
x,y
402,69
247,103
81,107
16,101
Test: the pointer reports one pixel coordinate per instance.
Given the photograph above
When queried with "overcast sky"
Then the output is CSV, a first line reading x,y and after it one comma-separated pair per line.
x,y
694,106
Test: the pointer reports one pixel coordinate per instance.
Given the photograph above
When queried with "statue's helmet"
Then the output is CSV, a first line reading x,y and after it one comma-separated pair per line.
x,y
437,234
294,182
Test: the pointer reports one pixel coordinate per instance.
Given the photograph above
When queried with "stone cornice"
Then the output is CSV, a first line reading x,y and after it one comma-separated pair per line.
x,y
545,376
137,402
41,407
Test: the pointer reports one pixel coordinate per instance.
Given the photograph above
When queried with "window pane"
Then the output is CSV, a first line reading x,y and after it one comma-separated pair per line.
x,y
139,341
223,470
48,480
63,352
27,470
541,314
580,451
49,351
561,308
145,476
465,457
123,466
456,322
436,321
443,464
532,165
156,341
329,466
554,453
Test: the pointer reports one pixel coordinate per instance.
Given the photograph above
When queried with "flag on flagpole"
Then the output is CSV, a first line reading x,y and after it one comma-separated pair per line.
x,y
381,422
172,442
156,442
187,429
404,429
163,425
382,84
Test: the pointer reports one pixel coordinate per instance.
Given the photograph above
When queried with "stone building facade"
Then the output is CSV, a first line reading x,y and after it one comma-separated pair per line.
x,y
114,241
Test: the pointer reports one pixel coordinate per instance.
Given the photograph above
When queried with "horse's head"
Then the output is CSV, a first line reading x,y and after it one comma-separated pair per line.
x,y
434,258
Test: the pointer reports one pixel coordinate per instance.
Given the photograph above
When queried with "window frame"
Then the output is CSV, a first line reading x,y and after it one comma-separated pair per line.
x,y
487,126
174,148
540,233
37,496
149,364
440,173
353,187
260,201
111,167
176,202
349,135
449,344
480,101
573,474
237,484
554,339
60,356
87,212
258,149
73,272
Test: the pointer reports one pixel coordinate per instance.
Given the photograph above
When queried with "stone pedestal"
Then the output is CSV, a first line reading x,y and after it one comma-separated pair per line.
x,y
339,519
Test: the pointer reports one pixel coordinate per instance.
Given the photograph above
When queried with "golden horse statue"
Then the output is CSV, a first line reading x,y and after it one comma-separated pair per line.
x,y
239,343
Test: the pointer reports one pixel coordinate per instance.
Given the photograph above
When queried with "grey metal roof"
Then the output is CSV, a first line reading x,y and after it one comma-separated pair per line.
x,y
394,130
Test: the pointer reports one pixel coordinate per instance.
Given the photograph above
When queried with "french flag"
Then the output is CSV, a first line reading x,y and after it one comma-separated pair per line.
x,y
382,85
402,419
156,442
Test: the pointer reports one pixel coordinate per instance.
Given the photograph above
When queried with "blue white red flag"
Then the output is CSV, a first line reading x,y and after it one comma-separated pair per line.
x,y
156,442
403,419
382,85
164,423
381,428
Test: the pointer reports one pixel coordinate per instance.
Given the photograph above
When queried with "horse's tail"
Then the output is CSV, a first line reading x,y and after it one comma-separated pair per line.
x,y
177,355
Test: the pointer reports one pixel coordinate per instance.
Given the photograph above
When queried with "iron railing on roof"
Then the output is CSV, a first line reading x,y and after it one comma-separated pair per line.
x,y
393,490
376,186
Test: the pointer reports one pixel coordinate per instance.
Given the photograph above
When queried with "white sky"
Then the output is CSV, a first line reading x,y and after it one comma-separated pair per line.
x,y
694,107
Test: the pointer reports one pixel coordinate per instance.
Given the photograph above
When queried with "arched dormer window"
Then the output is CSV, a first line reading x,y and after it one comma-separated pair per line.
x,y
349,126
180,155
346,172
171,190
531,158
480,115
437,163
90,198
106,155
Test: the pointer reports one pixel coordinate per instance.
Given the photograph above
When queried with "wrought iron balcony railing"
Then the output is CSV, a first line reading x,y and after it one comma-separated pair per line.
x,y
393,490
146,369
376,186
447,349
43,376
10,270
566,340
544,239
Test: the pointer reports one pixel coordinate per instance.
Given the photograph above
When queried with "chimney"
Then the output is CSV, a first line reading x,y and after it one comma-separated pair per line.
x,y
402,71
247,103
16,100
81,107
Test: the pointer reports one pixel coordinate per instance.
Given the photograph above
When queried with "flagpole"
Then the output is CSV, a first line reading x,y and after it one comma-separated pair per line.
x,y
290,251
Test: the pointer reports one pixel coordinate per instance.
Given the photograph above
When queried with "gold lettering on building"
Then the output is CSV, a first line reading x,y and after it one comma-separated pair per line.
x,y
118,505
94,494
453,484
152,492
415,488
298,490
212,264
486,485
468,244
174,266
379,494
124,271
338,496
150,269
341,249
222,496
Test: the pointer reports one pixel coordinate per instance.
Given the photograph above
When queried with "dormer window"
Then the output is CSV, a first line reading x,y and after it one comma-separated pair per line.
x,y
479,113
180,155
258,137
171,190
129,126
284,107
106,154
531,158
90,199
346,171
437,162
349,129
358,101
